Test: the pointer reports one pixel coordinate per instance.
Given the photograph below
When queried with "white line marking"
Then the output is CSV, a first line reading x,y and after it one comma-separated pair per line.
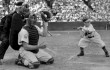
x,y
90,63
56,34
72,57
51,50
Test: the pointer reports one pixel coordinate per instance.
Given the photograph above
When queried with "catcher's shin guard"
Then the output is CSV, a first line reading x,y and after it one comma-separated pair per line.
x,y
27,64
34,65
50,61
19,60
23,62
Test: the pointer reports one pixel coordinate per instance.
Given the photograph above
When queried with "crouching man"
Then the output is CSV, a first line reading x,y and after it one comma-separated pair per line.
x,y
31,54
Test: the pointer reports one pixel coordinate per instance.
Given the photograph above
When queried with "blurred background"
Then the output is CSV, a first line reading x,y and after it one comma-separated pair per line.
x,y
68,10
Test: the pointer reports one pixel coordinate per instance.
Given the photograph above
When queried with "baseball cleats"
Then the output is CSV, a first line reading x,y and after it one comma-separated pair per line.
x,y
80,54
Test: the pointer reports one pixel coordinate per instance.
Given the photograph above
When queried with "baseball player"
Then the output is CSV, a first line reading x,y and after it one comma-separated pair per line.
x,y
32,54
89,34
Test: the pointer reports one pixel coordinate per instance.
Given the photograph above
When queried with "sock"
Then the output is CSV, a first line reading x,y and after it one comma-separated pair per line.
x,y
104,49
82,50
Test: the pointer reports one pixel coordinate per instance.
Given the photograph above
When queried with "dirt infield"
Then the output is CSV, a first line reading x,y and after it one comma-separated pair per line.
x,y
64,46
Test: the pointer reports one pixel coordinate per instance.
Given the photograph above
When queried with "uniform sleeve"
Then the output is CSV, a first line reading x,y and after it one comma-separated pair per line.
x,y
91,28
23,36
83,28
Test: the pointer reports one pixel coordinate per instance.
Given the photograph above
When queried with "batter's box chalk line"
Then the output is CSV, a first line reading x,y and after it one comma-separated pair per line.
x,y
54,52
90,63
75,57
56,34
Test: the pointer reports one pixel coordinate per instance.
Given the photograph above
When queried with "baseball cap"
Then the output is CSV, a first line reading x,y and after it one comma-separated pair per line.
x,y
84,19
19,3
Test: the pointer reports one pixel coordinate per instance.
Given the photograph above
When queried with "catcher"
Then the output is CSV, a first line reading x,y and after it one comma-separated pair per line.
x,y
88,35
31,54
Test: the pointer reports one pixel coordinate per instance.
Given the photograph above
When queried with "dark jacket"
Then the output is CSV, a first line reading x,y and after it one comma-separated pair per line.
x,y
1,27
16,25
17,21
7,25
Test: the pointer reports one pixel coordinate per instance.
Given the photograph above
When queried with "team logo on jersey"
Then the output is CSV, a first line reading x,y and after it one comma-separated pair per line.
x,y
25,36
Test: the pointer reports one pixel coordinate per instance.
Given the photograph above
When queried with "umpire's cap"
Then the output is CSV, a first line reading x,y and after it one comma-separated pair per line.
x,y
19,3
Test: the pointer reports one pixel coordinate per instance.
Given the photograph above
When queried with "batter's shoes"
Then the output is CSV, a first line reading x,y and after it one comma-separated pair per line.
x,y
80,54
106,54
0,62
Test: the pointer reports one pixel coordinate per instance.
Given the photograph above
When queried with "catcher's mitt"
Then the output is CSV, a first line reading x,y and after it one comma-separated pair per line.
x,y
45,15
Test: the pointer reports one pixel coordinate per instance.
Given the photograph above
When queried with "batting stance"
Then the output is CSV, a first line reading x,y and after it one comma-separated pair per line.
x,y
89,35
32,54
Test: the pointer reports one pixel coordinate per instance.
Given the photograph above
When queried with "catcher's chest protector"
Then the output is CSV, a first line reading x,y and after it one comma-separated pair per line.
x,y
33,34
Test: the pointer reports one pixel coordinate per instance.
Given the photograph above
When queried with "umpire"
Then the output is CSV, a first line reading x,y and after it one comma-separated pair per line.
x,y
16,25
5,35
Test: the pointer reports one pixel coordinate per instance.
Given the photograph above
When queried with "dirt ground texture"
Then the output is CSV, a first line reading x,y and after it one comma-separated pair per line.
x,y
64,46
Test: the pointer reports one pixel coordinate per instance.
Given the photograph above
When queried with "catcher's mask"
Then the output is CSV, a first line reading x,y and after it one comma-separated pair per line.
x,y
32,19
